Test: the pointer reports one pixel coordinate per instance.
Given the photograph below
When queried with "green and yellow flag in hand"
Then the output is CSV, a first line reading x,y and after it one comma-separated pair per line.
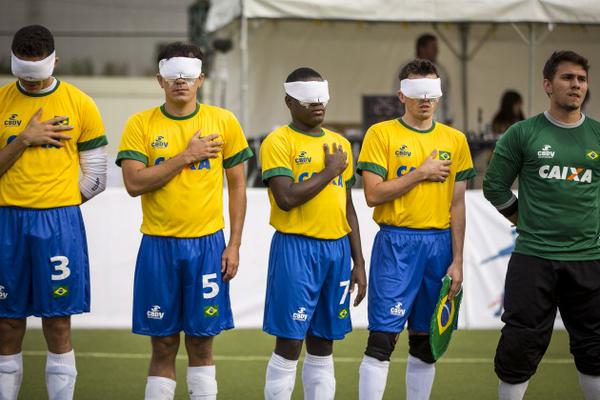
x,y
444,319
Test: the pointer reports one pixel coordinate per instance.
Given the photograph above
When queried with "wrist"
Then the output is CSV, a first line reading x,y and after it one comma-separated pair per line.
x,y
23,140
419,174
234,243
185,157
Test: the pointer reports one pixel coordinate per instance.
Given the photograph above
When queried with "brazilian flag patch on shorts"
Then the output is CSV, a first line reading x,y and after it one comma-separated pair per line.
x,y
343,313
444,319
60,291
211,311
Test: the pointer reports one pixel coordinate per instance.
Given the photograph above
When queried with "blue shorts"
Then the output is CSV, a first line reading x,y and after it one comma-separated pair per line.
x,y
405,279
307,288
178,286
44,267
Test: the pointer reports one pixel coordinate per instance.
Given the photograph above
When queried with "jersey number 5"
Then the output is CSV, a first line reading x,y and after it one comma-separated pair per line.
x,y
207,284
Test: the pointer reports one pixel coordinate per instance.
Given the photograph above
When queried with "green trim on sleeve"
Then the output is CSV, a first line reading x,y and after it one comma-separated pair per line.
x,y
466,174
92,144
268,174
131,155
238,158
371,167
350,182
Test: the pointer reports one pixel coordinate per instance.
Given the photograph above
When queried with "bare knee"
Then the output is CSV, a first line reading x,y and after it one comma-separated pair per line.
x,y
57,331
288,348
199,350
165,347
12,332
319,346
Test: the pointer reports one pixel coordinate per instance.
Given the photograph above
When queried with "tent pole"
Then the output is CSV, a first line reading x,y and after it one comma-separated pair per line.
x,y
464,55
531,68
244,69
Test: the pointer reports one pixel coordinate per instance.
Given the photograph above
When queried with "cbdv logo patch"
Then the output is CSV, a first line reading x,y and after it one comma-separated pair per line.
x,y
13,121
3,294
155,313
159,143
303,158
397,310
300,315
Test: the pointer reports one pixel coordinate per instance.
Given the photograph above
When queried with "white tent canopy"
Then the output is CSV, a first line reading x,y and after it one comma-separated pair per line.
x,y
358,44
552,11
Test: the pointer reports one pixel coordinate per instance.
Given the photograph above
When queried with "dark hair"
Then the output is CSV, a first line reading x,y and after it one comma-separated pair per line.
x,y
424,40
563,56
506,113
33,41
418,66
180,49
302,73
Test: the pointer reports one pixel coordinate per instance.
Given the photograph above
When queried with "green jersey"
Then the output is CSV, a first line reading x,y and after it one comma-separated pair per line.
x,y
559,186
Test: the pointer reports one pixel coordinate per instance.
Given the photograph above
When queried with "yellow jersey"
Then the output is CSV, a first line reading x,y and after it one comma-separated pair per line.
x,y
392,149
287,151
47,176
190,204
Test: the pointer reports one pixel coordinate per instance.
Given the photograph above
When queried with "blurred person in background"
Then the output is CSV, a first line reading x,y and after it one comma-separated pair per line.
x,y
511,111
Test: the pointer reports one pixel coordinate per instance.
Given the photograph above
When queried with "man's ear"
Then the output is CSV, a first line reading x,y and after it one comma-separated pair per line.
x,y
159,78
401,97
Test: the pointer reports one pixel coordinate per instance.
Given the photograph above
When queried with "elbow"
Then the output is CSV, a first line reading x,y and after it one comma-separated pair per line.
x,y
372,201
133,190
284,202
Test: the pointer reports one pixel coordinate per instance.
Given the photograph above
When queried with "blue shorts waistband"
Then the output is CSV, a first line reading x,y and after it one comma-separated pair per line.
x,y
299,236
412,231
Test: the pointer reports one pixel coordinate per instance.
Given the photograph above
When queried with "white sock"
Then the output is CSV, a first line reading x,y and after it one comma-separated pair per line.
x,y
318,377
160,388
590,385
281,376
202,383
419,379
11,376
60,375
510,391
373,377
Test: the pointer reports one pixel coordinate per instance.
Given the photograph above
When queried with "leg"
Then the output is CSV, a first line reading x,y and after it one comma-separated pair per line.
x,y
318,376
579,304
281,370
61,371
420,367
375,364
530,301
161,374
201,373
12,332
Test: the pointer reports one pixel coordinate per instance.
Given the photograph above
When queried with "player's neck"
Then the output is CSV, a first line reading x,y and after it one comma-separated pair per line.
x,y
46,86
564,116
305,128
180,109
421,125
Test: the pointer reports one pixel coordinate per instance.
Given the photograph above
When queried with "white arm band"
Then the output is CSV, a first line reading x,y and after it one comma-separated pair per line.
x,y
93,171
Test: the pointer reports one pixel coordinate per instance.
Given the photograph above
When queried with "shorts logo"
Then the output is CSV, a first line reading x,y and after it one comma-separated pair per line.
x,y
343,314
592,155
159,143
546,152
155,313
445,155
3,294
12,121
403,151
575,174
211,311
300,315
303,158
65,122
60,291
397,310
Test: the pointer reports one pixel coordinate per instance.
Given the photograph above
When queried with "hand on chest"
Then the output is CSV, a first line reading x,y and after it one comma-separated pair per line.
x,y
406,156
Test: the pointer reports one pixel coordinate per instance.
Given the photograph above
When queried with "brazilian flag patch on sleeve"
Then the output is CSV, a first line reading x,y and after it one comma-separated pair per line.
x,y
444,319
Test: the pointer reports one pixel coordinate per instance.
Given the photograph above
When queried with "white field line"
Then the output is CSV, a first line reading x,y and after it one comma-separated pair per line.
x,y
133,356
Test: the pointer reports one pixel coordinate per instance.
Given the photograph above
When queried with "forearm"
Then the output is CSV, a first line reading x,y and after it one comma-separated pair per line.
x,y
149,179
296,194
457,229
354,235
237,213
11,153
497,183
386,191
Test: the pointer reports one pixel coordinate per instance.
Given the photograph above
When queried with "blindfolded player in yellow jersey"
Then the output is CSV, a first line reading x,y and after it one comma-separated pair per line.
x,y
52,157
415,172
174,156
309,172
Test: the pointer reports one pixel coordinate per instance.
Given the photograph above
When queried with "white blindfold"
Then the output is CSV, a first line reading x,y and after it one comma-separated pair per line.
x,y
308,91
424,88
180,67
33,70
